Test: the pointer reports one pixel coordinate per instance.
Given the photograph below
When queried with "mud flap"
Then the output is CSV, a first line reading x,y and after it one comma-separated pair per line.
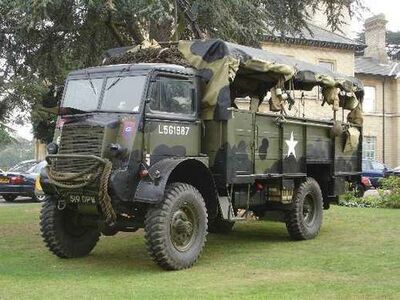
x,y
226,208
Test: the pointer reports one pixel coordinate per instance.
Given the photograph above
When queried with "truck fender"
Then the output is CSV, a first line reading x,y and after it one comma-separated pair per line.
x,y
188,170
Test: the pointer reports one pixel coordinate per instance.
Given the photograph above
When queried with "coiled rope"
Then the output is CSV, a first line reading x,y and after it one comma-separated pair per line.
x,y
102,170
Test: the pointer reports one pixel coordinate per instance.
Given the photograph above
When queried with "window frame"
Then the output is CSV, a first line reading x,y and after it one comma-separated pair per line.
x,y
328,61
366,151
172,115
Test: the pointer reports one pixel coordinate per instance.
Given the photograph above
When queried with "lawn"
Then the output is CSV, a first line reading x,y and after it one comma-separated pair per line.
x,y
355,256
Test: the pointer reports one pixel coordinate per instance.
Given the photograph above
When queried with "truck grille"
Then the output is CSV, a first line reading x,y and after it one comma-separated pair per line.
x,y
82,140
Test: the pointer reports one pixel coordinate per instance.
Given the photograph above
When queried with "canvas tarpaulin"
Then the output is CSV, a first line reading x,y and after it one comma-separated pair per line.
x,y
254,72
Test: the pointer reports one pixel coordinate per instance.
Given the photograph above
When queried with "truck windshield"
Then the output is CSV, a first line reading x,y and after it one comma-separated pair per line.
x,y
121,94
83,94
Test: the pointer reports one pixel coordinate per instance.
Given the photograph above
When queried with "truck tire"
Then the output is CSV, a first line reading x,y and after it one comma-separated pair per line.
x,y
304,220
9,198
221,226
176,230
64,238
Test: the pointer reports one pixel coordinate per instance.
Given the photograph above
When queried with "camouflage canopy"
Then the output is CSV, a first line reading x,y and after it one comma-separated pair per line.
x,y
232,70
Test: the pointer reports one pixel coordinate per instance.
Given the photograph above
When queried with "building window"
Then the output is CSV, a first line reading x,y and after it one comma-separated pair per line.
x,y
329,64
369,147
369,103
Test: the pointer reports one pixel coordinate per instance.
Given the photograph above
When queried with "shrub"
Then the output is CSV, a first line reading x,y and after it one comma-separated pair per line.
x,y
389,196
389,192
350,200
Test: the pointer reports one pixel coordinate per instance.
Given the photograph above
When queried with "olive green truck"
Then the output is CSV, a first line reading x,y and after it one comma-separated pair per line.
x,y
164,147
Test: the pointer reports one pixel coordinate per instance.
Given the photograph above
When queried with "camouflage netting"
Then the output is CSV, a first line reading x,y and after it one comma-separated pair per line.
x,y
150,55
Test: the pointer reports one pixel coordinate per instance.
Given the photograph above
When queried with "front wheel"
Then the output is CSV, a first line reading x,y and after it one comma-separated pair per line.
x,y
304,220
63,234
176,229
38,198
9,198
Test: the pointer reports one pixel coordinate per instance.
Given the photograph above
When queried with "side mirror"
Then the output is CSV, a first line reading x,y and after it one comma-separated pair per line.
x,y
53,97
51,100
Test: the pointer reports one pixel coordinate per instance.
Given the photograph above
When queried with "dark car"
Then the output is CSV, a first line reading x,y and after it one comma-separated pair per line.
x,y
374,170
395,171
20,181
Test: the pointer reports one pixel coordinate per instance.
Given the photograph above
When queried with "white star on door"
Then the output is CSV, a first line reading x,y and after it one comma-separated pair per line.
x,y
291,145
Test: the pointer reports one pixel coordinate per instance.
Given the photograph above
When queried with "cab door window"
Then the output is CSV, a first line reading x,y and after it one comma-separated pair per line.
x,y
170,95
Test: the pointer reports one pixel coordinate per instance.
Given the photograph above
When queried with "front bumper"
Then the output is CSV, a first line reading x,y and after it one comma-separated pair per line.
x,y
121,181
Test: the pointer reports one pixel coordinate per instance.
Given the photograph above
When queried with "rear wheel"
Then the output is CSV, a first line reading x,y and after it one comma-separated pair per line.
x,y
9,198
304,220
176,229
62,233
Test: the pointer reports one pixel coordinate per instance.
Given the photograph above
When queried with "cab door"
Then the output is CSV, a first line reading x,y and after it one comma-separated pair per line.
x,y
172,126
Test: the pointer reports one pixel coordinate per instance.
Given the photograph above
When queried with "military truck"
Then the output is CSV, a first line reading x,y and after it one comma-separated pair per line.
x,y
164,147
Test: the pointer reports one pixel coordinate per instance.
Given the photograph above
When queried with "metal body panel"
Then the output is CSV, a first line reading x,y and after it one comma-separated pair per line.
x,y
170,138
151,189
256,146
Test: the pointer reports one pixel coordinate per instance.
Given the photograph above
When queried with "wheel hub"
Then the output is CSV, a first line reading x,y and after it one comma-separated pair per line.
x,y
183,228
308,210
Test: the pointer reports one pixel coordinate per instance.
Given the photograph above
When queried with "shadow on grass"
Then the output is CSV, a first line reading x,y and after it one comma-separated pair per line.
x,y
125,253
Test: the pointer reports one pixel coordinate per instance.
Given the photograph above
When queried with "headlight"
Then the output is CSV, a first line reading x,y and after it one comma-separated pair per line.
x,y
52,148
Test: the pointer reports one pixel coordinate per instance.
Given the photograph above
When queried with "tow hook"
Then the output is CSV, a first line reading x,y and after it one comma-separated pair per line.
x,y
61,205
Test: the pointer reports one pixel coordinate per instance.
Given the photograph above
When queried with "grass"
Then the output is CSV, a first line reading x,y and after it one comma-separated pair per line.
x,y
355,256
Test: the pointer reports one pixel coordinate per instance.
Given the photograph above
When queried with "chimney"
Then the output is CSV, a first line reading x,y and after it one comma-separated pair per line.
x,y
375,38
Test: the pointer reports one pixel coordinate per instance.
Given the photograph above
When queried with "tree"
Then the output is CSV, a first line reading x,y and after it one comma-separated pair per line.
x,y
5,136
42,40
15,152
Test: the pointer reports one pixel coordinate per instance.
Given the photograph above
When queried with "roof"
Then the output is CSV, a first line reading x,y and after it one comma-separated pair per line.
x,y
133,68
372,66
318,37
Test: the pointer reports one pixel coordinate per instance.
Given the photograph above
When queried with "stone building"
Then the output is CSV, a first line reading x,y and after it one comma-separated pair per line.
x,y
382,95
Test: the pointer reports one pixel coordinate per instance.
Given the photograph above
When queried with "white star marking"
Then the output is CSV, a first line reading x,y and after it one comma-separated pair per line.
x,y
291,145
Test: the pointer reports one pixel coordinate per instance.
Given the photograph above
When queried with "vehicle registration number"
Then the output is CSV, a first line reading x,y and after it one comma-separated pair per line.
x,y
4,180
82,199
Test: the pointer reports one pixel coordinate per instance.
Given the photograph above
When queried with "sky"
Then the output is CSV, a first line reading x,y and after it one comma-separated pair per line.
x,y
391,9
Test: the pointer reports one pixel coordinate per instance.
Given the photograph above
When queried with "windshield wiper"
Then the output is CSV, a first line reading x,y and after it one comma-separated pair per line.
x,y
91,82
114,83
119,77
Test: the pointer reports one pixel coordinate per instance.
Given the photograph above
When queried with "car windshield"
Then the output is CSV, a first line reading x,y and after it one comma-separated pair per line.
x,y
121,93
23,167
38,167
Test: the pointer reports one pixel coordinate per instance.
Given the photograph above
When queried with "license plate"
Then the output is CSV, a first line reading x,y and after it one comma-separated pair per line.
x,y
82,199
4,180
